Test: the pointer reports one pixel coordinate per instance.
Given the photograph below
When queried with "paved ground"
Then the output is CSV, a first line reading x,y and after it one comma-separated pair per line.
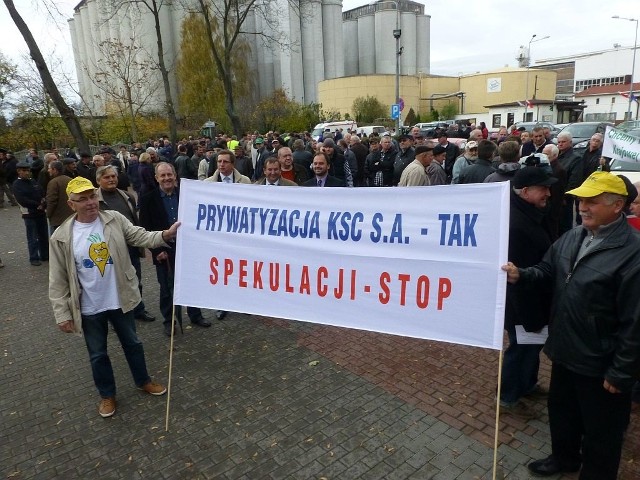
x,y
252,398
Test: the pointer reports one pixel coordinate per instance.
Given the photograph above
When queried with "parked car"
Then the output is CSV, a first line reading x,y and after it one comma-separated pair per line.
x,y
369,129
628,125
631,170
581,132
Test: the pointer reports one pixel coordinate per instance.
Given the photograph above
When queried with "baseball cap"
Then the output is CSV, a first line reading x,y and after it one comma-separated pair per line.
x,y
79,185
471,144
328,142
532,176
259,141
600,182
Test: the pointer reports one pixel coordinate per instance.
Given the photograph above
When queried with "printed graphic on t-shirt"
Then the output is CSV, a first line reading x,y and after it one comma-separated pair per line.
x,y
98,254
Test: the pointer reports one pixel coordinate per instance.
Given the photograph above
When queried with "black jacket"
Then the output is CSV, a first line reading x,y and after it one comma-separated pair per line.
x,y
595,313
477,172
527,305
30,196
153,217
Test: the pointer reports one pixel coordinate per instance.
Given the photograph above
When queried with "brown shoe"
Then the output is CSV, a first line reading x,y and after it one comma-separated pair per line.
x,y
107,407
520,410
153,388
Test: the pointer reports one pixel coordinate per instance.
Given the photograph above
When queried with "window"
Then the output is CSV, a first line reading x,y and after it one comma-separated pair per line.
x,y
613,99
497,118
597,101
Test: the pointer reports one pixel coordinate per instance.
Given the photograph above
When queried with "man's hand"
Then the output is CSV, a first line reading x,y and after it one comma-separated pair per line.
x,y
171,233
162,256
66,327
513,274
610,388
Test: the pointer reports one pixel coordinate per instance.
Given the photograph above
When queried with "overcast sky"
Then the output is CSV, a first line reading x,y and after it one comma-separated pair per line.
x,y
466,37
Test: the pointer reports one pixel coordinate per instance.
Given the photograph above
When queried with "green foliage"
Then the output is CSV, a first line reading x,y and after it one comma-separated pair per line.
x,y
7,73
410,119
450,110
278,112
202,95
116,128
435,116
367,109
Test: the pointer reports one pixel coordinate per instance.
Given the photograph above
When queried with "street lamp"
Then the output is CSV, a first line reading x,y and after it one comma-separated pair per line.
x,y
533,40
633,65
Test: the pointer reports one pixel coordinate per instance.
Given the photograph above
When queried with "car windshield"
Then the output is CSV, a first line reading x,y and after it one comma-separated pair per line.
x,y
623,166
580,130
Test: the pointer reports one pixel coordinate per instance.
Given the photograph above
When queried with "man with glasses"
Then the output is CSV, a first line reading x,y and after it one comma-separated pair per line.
x,y
90,286
226,172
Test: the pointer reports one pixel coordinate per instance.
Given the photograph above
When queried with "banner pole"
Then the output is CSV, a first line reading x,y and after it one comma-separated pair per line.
x,y
173,329
497,427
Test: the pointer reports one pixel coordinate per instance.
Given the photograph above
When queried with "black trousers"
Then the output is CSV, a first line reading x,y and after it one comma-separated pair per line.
x,y
587,423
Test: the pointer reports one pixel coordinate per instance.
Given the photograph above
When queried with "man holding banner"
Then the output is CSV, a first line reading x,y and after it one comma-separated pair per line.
x,y
159,209
594,334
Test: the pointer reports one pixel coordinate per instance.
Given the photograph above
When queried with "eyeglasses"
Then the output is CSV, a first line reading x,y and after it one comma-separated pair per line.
x,y
93,196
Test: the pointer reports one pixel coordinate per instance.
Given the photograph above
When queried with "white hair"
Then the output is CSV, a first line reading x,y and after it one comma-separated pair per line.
x,y
565,135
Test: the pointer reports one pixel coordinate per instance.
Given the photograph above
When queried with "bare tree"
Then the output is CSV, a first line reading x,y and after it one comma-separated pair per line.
x,y
154,7
121,74
66,113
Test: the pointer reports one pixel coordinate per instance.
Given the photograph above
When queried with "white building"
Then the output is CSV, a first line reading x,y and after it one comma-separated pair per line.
x,y
321,45
596,78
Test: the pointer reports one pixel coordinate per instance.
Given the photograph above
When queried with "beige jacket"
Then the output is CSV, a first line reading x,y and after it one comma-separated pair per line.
x,y
237,177
64,287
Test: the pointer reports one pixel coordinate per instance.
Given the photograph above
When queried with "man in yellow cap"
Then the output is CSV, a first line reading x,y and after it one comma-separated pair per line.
x,y
92,283
594,332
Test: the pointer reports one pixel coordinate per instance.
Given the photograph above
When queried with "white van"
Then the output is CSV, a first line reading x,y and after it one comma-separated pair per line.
x,y
320,128
369,129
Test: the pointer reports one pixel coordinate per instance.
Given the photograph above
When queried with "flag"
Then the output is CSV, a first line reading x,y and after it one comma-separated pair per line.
x,y
634,97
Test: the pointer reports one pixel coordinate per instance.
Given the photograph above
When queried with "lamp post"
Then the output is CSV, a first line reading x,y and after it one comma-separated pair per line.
x,y
533,40
633,65
396,34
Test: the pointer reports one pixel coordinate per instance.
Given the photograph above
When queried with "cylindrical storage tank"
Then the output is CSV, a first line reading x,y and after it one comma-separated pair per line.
x,y
366,43
423,44
351,53
312,62
408,59
385,51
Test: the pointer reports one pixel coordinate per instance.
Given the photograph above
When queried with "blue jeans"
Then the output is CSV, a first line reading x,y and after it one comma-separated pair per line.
x,y
520,367
96,330
37,238
165,279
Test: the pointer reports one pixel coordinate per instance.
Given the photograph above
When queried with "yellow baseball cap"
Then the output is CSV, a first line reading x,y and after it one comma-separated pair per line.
x,y
600,182
79,185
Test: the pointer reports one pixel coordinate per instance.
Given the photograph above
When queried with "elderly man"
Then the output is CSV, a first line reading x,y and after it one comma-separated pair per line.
x,y
591,157
360,151
110,197
273,174
58,209
594,334
572,164
159,209
379,164
406,155
528,242
467,158
415,175
90,286
291,171
482,167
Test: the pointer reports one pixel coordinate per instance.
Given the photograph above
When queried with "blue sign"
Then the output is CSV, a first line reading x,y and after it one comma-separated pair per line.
x,y
395,111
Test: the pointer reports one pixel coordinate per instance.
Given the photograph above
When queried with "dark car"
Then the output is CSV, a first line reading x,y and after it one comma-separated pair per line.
x,y
581,133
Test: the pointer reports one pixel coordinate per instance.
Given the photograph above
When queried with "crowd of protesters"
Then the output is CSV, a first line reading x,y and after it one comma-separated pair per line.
x,y
595,353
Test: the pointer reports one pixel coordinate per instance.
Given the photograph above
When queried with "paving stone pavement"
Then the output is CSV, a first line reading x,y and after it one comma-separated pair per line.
x,y
251,398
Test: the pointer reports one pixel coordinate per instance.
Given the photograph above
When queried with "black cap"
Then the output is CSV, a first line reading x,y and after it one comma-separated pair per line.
x,y
23,164
423,148
438,149
68,160
532,176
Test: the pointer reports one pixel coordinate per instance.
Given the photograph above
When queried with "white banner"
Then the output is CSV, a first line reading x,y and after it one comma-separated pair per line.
x,y
415,261
620,146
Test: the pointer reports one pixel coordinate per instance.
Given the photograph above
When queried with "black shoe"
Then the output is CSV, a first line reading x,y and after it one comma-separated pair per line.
x,y
201,322
145,317
221,314
36,263
550,466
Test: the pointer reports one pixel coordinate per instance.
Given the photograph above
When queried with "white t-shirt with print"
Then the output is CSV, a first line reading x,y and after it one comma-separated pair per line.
x,y
95,268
